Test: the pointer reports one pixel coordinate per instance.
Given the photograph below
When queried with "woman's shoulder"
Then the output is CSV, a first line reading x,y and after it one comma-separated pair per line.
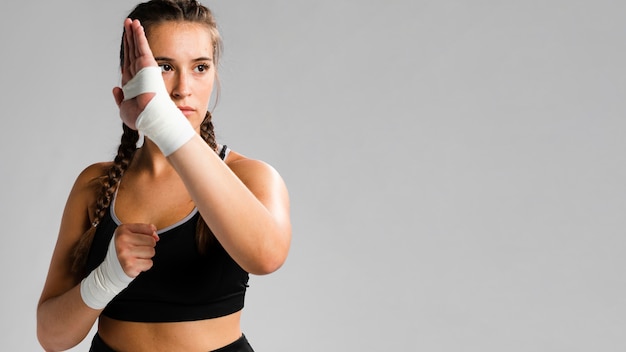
x,y
93,173
89,180
242,163
251,171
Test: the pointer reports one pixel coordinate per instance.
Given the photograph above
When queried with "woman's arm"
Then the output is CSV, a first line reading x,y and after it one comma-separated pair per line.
x,y
63,319
244,202
63,316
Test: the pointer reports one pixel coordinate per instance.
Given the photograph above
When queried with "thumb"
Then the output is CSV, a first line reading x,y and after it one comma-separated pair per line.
x,y
118,94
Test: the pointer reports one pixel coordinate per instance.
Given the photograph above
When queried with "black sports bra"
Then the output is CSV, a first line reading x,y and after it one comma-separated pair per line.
x,y
182,285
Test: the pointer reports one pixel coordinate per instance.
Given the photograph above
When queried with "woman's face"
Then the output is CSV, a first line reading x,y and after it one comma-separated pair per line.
x,y
184,51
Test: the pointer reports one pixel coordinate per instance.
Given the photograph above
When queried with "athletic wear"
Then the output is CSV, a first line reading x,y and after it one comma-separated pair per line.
x,y
182,285
240,345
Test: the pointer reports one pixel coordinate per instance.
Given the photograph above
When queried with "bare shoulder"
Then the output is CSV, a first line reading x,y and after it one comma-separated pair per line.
x,y
94,172
265,183
88,181
82,197
252,171
81,200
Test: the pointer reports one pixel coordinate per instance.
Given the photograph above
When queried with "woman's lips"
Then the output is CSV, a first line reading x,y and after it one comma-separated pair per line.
x,y
187,110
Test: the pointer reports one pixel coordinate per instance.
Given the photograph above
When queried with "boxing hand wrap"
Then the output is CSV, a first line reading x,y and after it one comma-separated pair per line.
x,y
105,281
161,120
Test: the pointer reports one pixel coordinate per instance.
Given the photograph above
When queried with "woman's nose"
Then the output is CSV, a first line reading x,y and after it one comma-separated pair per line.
x,y
181,86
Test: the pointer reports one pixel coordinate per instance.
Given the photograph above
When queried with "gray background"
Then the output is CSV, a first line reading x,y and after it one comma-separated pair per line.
x,y
456,168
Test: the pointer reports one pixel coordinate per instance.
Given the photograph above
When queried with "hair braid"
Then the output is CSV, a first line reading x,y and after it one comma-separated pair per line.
x,y
207,132
204,235
109,183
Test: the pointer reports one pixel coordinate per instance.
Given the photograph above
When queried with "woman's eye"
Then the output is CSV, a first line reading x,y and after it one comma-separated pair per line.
x,y
202,68
165,67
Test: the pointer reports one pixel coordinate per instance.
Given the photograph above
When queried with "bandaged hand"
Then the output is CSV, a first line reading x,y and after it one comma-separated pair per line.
x,y
111,277
144,101
160,120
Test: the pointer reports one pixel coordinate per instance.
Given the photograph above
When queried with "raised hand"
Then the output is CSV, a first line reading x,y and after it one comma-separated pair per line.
x,y
144,102
137,55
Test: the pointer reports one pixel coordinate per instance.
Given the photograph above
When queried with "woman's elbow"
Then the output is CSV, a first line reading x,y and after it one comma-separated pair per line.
x,y
46,340
50,342
266,267
271,259
52,337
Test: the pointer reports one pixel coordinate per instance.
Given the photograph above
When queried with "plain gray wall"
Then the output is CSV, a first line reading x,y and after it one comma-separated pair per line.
x,y
456,168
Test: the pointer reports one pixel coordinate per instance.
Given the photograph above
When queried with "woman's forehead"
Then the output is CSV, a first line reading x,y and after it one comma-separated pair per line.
x,y
181,38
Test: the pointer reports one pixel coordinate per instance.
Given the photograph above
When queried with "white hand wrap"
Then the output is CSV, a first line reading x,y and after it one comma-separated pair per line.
x,y
161,120
105,281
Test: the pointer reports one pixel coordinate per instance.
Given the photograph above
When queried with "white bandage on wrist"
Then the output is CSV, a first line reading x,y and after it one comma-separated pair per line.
x,y
105,281
161,120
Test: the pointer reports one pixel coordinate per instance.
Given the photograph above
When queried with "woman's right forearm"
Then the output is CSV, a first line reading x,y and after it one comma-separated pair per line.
x,y
64,321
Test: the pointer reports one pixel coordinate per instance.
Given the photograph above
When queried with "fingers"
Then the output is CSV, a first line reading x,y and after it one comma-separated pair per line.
x,y
137,53
146,229
127,33
138,33
135,244
131,52
126,66
130,30
141,42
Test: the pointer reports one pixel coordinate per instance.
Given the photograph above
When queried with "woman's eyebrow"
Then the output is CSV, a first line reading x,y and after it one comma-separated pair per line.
x,y
163,58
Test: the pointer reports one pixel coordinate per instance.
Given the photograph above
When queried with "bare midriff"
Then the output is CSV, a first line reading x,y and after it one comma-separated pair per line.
x,y
202,335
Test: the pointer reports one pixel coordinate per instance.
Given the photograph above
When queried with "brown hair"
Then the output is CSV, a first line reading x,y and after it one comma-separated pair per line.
x,y
149,14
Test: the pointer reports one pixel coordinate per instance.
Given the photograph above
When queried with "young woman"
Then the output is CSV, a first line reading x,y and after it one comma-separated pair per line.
x,y
157,245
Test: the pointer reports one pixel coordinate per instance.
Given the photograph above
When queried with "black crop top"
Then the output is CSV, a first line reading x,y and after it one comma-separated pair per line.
x,y
182,285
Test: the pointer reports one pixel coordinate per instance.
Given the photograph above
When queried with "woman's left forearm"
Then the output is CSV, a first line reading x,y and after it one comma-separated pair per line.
x,y
245,205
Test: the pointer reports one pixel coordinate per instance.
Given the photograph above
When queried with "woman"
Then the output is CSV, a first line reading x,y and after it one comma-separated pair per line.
x,y
157,245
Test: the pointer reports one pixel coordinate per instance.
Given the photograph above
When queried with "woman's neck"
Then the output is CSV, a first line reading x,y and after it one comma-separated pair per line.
x,y
150,159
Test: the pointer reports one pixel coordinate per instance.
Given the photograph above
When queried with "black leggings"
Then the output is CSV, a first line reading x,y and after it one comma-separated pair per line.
x,y
241,345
